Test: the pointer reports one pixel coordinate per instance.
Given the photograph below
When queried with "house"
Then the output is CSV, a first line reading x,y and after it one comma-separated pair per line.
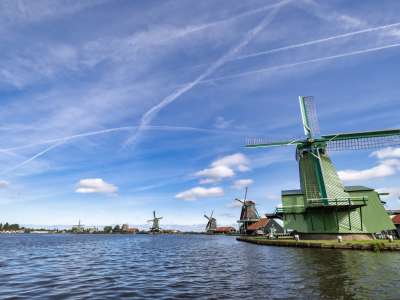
x,y
224,230
396,222
266,226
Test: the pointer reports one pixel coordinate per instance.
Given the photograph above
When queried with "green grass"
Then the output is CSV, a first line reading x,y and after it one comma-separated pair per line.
x,y
374,245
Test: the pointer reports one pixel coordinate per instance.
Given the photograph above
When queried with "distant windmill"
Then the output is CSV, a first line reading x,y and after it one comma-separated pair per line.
x,y
248,215
211,224
324,206
156,223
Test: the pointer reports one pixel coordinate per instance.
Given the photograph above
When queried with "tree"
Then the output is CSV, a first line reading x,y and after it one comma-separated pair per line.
x,y
107,229
117,228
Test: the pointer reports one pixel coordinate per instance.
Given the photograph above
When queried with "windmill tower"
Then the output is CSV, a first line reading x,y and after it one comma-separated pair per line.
x,y
211,224
156,223
248,214
324,207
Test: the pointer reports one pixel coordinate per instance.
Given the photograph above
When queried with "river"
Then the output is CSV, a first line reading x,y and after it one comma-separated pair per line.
x,y
187,267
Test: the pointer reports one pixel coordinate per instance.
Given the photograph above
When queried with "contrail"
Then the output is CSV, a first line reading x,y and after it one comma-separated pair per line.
x,y
32,158
305,62
233,18
383,27
63,140
115,129
151,114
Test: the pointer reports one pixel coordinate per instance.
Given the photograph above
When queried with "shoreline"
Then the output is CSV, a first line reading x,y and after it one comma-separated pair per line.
x,y
374,245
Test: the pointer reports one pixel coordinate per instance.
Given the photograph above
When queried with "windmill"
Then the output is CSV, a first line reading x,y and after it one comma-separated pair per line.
x,y
211,224
248,214
156,223
324,207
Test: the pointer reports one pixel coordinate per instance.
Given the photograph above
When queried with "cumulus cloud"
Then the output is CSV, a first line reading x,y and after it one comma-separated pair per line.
x,y
215,174
200,192
242,183
383,169
224,168
389,152
95,185
235,161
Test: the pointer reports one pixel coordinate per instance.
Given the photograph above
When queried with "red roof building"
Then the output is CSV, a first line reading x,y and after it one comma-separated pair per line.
x,y
224,230
396,220
259,225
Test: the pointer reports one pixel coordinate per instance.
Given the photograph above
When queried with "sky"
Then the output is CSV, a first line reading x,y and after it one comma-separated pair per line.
x,y
113,109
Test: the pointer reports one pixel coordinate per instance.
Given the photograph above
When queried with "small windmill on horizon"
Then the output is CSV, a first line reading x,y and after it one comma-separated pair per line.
x,y
211,224
155,223
248,215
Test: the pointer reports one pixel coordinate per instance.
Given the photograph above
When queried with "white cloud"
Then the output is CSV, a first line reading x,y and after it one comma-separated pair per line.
x,y
237,160
224,168
3,184
394,192
200,192
389,152
95,185
221,123
385,168
215,174
242,183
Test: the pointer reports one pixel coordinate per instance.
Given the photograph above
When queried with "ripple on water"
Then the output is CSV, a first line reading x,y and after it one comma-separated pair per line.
x,y
186,266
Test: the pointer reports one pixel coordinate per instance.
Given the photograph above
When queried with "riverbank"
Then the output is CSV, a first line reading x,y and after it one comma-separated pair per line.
x,y
374,245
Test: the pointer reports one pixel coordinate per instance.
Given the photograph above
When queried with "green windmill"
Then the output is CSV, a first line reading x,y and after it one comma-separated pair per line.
x,y
324,207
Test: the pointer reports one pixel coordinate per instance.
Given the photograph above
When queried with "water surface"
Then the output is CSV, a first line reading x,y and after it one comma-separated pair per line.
x,y
187,267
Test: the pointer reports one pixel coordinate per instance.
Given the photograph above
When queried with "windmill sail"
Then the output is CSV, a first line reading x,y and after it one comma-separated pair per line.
x,y
309,117
363,140
324,205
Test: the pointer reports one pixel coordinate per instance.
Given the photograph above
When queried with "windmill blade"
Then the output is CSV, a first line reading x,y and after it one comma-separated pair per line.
x,y
309,117
239,200
363,140
212,213
259,142
205,216
154,214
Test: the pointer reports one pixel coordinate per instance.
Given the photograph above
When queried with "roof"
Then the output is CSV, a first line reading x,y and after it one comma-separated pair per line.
x,y
224,229
259,224
353,188
396,219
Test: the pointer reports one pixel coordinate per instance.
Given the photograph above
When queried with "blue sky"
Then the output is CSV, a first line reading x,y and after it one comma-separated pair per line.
x,y
110,109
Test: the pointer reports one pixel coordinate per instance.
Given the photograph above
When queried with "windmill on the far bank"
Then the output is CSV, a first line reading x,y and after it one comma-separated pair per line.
x,y
248,215
156,223
211,224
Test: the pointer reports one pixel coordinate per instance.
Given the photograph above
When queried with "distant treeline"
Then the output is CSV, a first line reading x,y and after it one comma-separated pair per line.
x,y
9,227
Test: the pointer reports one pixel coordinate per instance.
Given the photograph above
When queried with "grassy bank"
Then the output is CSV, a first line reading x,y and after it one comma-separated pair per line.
x,y
374,245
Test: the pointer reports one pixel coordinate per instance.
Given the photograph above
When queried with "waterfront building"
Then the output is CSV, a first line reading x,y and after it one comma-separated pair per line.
x,y
323,208
396,222
270,226
225,230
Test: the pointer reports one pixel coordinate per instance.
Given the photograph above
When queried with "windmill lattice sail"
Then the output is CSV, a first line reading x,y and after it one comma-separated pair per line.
x,y
324,205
